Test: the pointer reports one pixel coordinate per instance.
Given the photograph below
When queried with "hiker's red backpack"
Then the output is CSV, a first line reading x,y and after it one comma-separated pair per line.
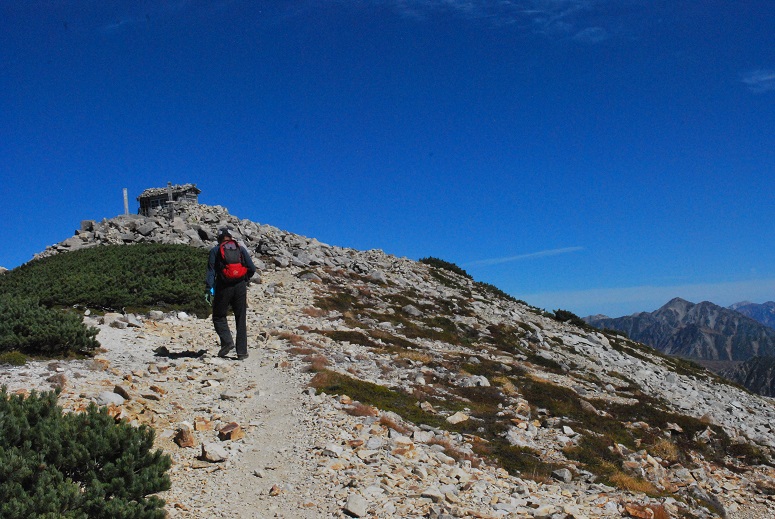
x,y
231,259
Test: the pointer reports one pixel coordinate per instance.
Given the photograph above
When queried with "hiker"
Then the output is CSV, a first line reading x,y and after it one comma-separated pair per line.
x,y
228,270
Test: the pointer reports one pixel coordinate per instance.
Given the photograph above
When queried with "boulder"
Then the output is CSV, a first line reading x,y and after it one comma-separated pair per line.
x,y
356,506
457,418
231,431
411,310
108,398
214,453
147,228
563,475
184,436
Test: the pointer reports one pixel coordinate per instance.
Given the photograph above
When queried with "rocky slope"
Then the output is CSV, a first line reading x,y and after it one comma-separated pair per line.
x,y
702,331
429,381
763,313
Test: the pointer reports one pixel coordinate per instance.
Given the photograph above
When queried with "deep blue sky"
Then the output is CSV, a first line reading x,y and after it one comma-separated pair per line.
x,y
600,156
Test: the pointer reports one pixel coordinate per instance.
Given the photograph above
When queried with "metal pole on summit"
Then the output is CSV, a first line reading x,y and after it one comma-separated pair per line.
x,y
126,202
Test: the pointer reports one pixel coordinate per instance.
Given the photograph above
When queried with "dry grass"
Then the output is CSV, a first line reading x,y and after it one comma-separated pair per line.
x,y
416,356
506,385
631,483
323,379
359,409
302,350
294,339
317,363
311,311
388,422
665,449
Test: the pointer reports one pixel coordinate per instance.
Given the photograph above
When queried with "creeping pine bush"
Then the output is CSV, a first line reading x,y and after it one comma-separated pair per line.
x,y
566,316
28,327
116,277
76,465
446,265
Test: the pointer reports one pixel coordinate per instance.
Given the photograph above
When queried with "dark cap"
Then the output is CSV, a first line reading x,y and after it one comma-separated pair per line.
x,y
223,232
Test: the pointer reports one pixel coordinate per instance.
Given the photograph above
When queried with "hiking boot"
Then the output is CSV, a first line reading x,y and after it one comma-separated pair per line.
x,y
242,357
225,349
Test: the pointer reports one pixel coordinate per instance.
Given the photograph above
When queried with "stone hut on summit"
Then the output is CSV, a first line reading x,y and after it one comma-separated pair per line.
x,y
159,198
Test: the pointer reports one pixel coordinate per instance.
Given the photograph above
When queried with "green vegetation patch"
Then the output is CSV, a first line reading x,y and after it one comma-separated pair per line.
x,y
76,465
506,338
14,358
116,277
518,461
397,343
445,265
29,328
375,395
337,301
566,316
496,292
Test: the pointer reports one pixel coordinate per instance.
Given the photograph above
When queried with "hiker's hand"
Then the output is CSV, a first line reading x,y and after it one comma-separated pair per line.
x,y
209,296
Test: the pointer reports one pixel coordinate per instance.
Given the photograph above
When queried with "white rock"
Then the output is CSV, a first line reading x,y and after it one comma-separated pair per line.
x,y
214,453
108,397
356,505
457,418
333,450
423,436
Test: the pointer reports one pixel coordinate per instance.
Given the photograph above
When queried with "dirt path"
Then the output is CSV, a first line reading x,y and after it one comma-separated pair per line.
x,y
271,471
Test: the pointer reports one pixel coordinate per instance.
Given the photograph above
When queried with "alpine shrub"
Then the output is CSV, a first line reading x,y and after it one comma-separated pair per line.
x,y
76,465
446,265
30,328
566,316
116,277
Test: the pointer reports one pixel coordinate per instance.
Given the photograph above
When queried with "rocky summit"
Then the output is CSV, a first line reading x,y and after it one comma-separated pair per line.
x,y
378,386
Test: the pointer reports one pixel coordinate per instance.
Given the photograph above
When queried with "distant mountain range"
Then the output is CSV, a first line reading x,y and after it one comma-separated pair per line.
x,y
742,335
701,331
764,313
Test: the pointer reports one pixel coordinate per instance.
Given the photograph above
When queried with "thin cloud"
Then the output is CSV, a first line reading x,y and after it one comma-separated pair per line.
x,y
532,255
760,81
552,18
591,35
120,25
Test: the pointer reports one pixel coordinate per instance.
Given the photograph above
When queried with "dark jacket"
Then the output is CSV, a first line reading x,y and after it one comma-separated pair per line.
x,y
214,267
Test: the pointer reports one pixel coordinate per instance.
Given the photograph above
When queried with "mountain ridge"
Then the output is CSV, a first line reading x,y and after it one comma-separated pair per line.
x,y
763,313
696,330
477,372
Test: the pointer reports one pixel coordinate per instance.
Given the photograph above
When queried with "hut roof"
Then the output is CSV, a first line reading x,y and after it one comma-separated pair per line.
x,y
176,190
